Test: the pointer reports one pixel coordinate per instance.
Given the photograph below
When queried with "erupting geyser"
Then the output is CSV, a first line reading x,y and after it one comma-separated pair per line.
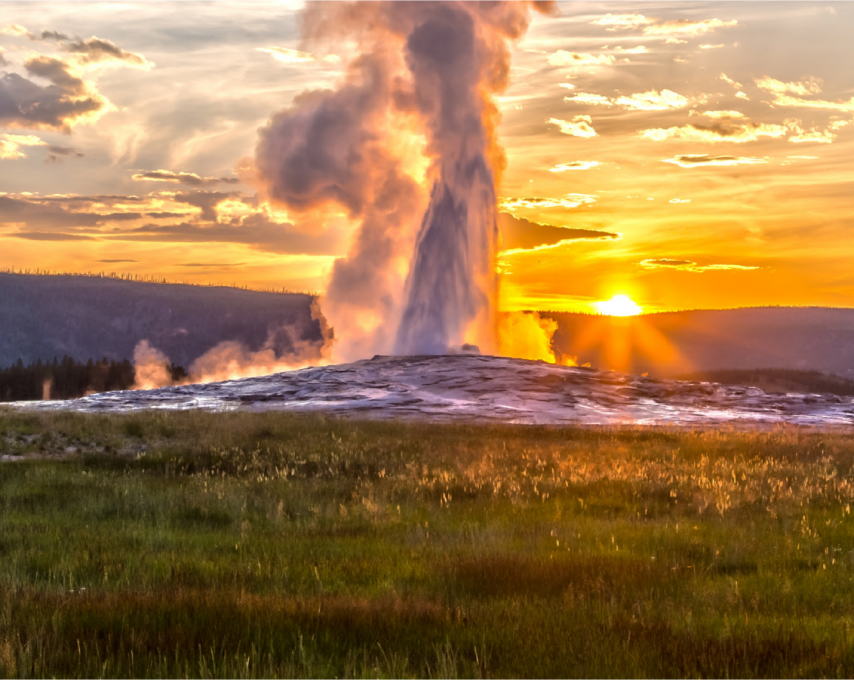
x,y
424,76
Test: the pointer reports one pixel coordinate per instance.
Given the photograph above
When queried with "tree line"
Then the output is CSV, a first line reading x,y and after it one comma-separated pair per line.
x,y
69,379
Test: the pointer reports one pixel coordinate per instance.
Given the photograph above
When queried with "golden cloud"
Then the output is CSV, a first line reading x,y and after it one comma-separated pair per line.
x,y
703,160
687,27
727,79
690,266
564,58
642,101
579,126
289,56
717,132
189,178
615,22
570,201
802,88
10,145
519,235
575,165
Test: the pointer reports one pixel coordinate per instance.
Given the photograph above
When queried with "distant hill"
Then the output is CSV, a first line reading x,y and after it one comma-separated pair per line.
x,y
676,343
89,317
778,380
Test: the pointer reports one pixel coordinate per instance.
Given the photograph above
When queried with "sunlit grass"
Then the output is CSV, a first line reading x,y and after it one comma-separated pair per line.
x,y
197,544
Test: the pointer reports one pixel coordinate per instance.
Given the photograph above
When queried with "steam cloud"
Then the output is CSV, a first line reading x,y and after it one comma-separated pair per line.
x,y
231,360
424,71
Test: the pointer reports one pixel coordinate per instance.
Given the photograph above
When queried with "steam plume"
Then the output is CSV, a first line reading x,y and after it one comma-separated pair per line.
x,y
424,71
230,360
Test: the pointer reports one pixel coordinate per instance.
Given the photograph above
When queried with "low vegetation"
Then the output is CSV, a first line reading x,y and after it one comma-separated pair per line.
x,y
245,545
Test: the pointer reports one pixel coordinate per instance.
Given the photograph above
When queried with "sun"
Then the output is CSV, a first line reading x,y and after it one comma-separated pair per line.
x,y
619,305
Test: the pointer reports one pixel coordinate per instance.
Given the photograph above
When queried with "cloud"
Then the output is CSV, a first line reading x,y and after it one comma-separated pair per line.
x,y
575,165
640,49
86,51
96,50
791,94
688,265
114,261
817,136
205,201
579,126
10,145
642,101
712,47
564,58
729,128
65,102
571,201
615,22
38,214
720,114
519,234
49,236
16,30
3,61
687,27
653,101
720,131
702,160
289,56
679,200
189,178
666,262
211,264
75,217
802,88
741,95
587,98
256,231
727,79
57,153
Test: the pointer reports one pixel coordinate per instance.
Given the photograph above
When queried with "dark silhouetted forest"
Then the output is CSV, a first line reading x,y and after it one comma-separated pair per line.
x,y
69,379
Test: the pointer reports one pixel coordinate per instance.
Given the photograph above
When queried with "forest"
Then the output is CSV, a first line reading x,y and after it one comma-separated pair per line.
x,y
69,379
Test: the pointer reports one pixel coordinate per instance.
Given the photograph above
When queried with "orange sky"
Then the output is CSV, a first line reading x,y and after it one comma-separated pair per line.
x,y
687,155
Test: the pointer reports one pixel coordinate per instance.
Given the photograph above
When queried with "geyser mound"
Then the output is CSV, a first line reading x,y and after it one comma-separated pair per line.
x,y
471,387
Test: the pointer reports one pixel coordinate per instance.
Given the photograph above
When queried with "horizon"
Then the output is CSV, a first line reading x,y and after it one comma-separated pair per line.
x,y
161,280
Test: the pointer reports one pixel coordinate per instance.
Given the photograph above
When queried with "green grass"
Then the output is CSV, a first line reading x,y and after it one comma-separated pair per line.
x,y
209,545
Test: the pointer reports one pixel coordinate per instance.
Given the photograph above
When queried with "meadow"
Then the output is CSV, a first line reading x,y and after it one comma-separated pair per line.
x,y
246,544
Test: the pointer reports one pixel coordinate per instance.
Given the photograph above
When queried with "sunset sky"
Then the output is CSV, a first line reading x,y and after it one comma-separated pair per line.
x,y
687,155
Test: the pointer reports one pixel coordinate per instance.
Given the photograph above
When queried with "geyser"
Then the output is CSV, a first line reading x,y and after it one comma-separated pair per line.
x,y
420,275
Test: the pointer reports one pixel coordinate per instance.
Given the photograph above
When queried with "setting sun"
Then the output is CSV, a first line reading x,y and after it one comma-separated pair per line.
x,y
619,305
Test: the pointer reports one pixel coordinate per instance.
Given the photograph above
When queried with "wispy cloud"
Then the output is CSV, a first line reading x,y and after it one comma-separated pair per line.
x,y
719,131
569,201
519,235
704,160
289,56
579,126
575,165
803,88
690,266
10,145
653,100
614,22
189,178
687,27
564,58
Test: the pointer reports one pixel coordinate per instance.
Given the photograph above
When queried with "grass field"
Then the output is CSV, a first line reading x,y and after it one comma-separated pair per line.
x,y
198,544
